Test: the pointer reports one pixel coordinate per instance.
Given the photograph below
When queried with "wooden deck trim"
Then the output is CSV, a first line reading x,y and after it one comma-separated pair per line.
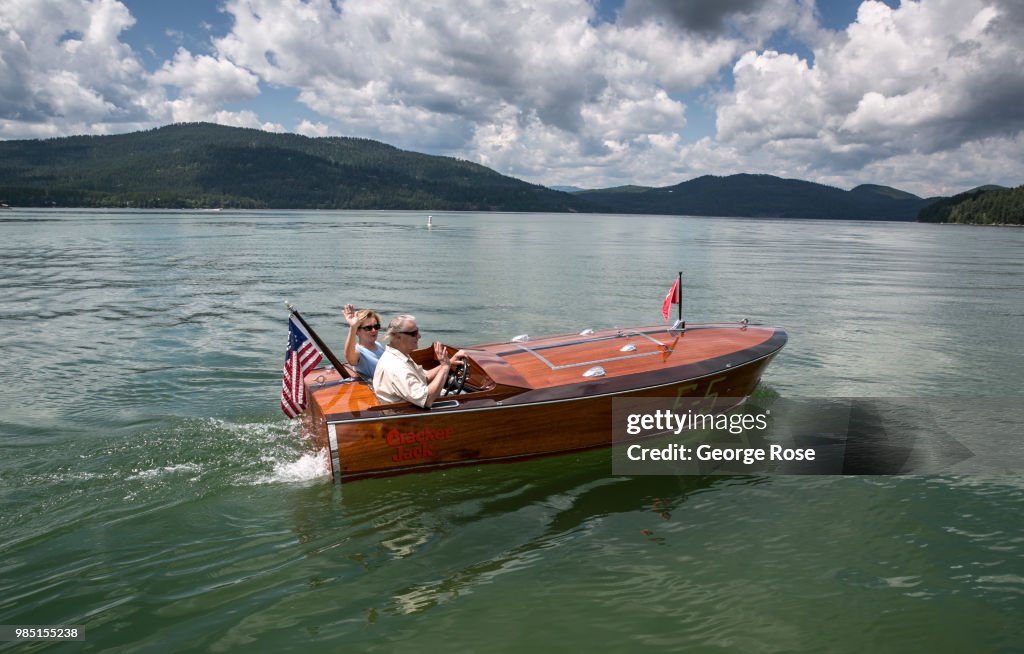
x,y
549,342
553,363
547,396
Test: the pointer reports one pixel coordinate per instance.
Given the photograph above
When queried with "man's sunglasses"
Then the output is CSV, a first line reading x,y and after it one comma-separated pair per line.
x,y
414,334
370,328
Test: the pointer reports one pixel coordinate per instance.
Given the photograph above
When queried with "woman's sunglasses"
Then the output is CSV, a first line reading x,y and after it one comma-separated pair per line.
x,y
370,328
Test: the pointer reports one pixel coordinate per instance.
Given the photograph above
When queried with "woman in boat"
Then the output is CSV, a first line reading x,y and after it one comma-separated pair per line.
x,y
361,347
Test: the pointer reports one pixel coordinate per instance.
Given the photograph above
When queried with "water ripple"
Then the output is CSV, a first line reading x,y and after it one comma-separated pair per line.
x,y
153,492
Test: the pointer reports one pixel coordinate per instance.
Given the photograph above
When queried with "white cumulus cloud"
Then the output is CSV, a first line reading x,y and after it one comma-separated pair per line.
x,y
64,69
924,96
540,88
889,93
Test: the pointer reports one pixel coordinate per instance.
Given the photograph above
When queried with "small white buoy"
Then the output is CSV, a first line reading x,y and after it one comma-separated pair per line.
x,y
430,221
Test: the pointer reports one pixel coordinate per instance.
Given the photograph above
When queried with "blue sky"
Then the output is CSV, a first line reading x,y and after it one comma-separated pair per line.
x,y
923,96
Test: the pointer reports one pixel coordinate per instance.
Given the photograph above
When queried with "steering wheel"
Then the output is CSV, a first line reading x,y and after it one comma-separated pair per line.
x,y
457,378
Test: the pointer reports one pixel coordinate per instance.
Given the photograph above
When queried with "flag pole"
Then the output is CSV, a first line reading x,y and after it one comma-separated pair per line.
x,y
326,351
679,289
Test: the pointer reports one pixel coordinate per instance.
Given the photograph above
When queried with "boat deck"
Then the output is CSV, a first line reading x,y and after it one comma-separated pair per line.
x,y
561,360
553,366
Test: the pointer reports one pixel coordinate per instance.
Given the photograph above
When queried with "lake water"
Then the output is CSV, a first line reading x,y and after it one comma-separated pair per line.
x,y
153,493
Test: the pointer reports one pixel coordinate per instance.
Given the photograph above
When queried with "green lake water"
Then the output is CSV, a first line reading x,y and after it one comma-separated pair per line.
x,y
153,493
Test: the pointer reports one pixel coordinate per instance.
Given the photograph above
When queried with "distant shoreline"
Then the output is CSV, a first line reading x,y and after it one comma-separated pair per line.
x,y
203,166
215,210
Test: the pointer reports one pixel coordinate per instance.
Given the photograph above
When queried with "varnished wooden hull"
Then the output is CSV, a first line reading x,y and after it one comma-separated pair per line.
x,y
539,414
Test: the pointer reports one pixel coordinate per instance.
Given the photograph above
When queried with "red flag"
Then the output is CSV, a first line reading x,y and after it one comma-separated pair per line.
x,y
670,299
301,357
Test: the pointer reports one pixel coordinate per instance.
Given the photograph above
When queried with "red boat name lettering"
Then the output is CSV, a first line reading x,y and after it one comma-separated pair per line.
x,y
420,439
409,453
396,438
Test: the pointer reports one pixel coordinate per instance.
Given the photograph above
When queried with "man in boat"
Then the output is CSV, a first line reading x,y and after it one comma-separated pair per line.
x,y
400,379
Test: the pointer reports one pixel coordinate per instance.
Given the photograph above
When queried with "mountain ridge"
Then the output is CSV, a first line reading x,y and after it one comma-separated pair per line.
x,y
760,195
202,165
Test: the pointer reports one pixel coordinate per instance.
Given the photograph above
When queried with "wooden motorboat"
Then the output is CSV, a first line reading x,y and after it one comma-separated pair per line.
x,y
530,397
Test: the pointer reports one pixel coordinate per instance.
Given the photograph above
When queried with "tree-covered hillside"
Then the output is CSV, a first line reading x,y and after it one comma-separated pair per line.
x,y
204,165
999,206
761,195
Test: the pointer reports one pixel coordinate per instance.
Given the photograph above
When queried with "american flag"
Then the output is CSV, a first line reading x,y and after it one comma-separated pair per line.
x,y
301,357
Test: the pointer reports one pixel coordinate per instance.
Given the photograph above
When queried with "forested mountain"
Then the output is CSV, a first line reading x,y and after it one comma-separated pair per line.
x,y
761,195
204,165
981,206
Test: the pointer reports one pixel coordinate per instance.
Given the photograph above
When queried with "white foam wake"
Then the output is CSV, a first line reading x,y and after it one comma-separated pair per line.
x,y
308,467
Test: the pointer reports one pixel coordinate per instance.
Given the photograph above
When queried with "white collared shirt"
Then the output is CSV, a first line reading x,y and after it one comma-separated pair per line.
x,y
399,379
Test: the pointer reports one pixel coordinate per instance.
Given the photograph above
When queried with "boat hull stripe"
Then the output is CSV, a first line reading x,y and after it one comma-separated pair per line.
x,y
332,436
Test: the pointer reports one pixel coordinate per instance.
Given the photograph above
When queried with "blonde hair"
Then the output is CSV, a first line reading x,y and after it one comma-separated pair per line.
x,y
363,314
